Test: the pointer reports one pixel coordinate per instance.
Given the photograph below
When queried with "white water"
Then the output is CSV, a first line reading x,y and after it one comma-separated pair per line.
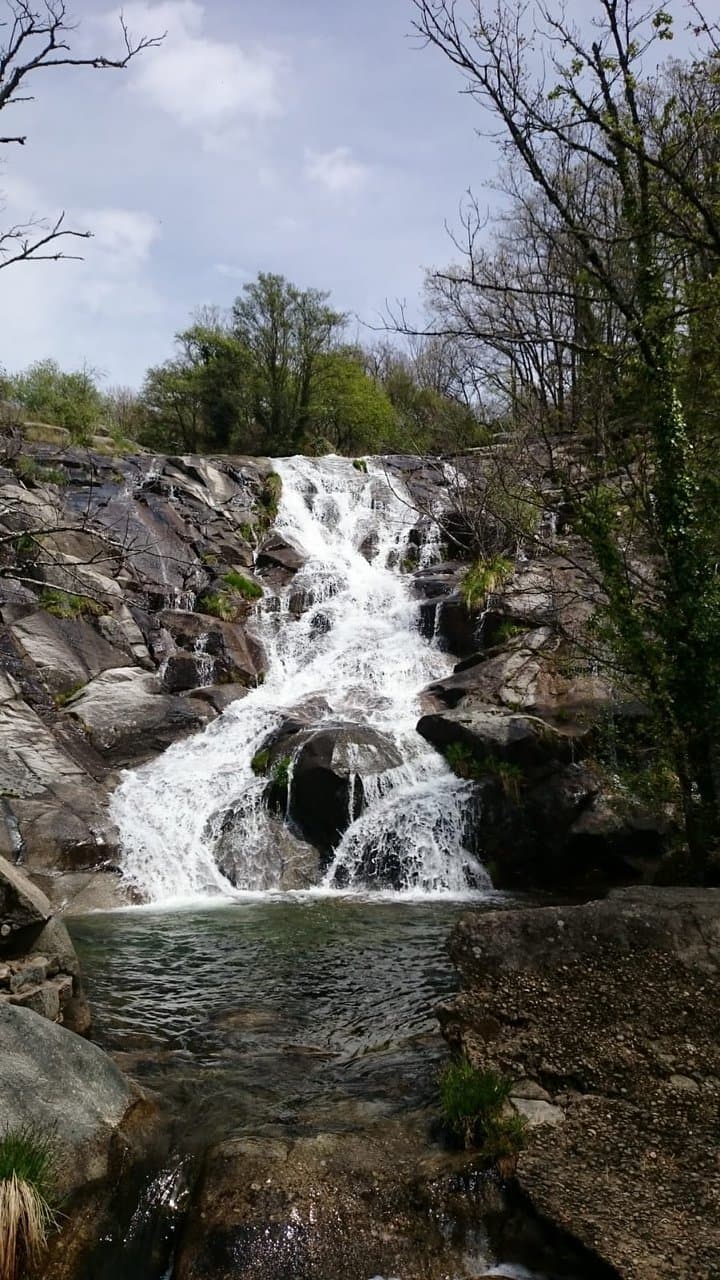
x,y
358,647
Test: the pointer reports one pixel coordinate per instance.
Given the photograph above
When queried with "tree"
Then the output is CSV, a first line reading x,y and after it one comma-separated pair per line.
x,y
620,168
35,37
286,331
350,411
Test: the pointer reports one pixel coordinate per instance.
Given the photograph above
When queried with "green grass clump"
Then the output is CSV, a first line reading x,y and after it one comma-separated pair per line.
x,y
61,604
465,764
484,577
472,1104
221,605
32,472
243,586
260,761
360,464
27,1189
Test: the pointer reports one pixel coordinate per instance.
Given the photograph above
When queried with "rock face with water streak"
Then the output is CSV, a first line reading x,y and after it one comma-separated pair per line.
x,y
608,1013
103,638
524,722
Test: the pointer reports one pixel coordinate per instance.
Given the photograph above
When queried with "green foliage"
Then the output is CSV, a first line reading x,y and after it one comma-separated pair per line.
x,y
463,762
360,464
484,577
224,605
348,408
62,699
63,604
281,772
30,1155
70,400
30,471
286,332
472,1103
261,761
270,498
243,586
508,630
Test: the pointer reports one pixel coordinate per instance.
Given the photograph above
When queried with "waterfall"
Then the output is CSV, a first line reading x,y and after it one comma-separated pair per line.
x,y
357,652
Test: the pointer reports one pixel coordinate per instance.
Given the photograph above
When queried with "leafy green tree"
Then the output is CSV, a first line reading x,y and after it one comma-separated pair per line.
x,y
620,165
349,410
286,331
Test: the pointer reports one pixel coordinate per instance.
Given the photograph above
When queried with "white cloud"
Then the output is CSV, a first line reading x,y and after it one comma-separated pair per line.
x,y
206,85
61,308
336,170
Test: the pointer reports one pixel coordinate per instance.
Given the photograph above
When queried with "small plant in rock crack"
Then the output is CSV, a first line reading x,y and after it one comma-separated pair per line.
x,y
281,772
27,1190
484,577
244,587
473,1107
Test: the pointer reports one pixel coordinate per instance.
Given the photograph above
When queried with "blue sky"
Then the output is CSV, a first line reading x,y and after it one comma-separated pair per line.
x,y
309,137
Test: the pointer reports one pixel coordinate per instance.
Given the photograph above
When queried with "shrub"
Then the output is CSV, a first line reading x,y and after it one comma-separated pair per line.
x,y
484,577
270,496
62,604
245,587
465,764
30,471
360,464
27,1178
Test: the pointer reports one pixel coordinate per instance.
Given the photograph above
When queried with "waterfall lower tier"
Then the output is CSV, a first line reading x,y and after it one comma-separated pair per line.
x,y
347,661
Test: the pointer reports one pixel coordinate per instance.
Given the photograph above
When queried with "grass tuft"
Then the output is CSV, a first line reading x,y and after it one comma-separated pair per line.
x,y
484,577
472,1104
244,587
63,605
27,1185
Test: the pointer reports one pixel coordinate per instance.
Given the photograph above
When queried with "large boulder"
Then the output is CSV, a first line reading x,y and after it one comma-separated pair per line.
x,y
128,719
608,1013
329,763
57,1081
231,653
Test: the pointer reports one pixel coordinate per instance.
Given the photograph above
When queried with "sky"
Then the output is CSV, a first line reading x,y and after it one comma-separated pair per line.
x,y
315,138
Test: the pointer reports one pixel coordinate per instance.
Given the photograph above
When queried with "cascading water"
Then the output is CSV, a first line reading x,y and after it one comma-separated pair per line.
x,y
357,647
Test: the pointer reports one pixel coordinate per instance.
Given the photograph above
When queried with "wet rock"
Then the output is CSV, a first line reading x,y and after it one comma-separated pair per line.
x,y
276,553
237,658
499,735
127,719
287,862
329,765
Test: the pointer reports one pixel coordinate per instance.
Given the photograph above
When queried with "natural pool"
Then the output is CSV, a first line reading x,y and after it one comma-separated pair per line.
x,y
283,1019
